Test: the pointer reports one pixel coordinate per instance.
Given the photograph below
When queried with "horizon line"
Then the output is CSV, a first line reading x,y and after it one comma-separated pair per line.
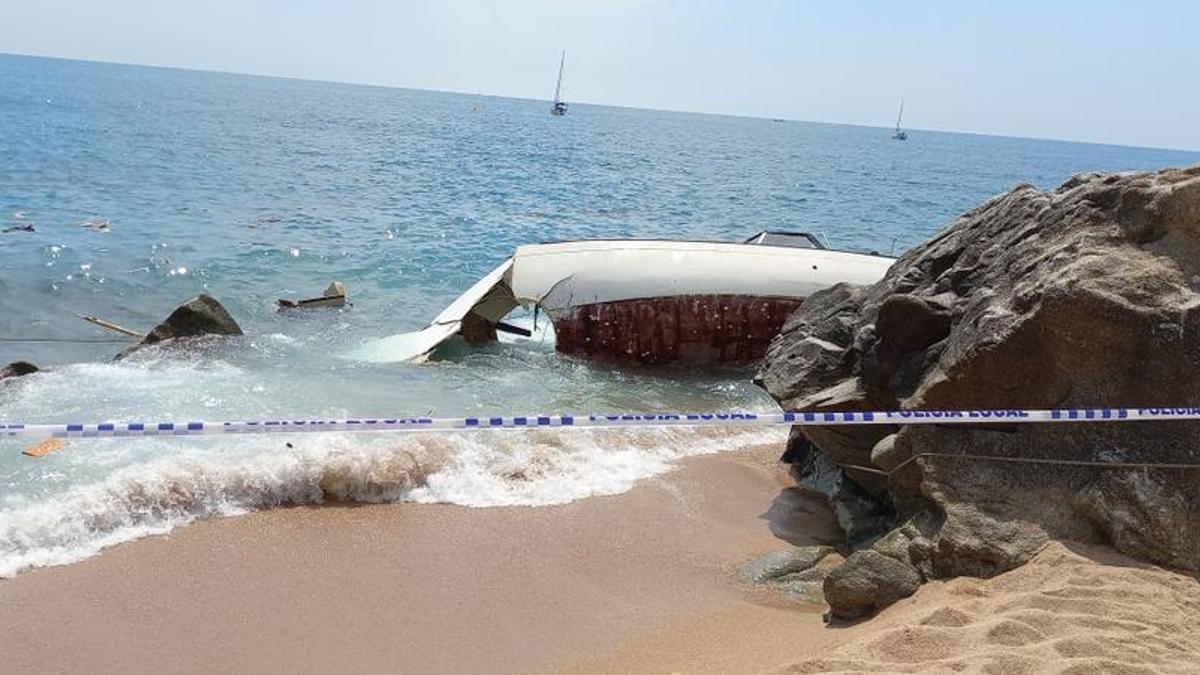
x,y
1195,151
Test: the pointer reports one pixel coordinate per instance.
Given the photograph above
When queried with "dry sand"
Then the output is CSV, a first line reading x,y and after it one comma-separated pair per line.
x,y
640,582
1073,609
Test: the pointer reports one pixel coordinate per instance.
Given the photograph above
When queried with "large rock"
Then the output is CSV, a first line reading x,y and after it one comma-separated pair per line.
x,y
867,582
202,315
1084,296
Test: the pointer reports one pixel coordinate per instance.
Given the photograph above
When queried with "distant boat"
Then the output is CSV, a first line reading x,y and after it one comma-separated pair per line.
x,y
560,106
900,135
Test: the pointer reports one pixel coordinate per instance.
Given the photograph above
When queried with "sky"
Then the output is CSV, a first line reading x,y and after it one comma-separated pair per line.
x,y
1110,71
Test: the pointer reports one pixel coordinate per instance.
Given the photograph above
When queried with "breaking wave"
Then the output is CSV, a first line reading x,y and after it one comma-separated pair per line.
x,y
481,469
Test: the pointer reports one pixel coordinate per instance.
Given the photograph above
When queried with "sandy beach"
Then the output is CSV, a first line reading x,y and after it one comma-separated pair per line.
x,y
639,582
645,578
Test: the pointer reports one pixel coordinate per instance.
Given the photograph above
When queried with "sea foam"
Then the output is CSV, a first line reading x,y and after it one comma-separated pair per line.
x,y
480,469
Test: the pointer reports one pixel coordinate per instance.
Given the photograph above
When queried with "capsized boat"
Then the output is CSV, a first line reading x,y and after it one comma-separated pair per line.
x,y
646,301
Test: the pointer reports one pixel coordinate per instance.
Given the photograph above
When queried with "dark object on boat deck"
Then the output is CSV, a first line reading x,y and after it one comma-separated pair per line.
x,y
17,369
334,296
513,330
477,330
202,315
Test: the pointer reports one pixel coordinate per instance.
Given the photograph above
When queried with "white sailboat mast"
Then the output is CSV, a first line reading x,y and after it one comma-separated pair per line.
x,y
558,86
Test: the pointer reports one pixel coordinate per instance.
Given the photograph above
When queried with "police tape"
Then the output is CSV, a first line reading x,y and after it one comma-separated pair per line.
x,y
721,419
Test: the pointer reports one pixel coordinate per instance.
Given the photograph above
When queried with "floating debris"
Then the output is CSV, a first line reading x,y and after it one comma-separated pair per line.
x,y
111,326
264,221
334,296
97,225
44,448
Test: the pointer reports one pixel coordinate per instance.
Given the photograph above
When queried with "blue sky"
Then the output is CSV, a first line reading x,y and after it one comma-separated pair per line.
x,y
1101,70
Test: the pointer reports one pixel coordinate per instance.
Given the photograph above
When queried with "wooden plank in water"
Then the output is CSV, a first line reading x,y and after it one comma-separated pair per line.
x,y
44,448
111,326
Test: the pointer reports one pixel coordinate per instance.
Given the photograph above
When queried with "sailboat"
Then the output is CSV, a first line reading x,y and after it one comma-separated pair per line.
x,y
560,106
900,135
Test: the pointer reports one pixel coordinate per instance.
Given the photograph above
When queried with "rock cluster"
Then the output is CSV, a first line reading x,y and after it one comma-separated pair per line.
x,y
1084,296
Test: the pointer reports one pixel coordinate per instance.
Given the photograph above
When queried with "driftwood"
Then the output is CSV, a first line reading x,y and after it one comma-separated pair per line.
x,y
111,326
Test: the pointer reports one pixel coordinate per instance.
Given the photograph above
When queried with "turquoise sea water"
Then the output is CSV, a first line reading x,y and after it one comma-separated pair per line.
x,y
254,188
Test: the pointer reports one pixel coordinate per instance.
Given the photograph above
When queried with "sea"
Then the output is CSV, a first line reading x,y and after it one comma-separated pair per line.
x,y
146,186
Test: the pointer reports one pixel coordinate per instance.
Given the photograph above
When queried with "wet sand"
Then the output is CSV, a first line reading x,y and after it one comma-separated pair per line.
x,y
645,579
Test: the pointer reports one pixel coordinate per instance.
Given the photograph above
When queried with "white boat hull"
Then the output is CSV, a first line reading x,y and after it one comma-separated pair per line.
x,y
646,301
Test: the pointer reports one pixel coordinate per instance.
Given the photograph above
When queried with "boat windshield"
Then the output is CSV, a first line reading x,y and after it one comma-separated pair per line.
x,y
790,239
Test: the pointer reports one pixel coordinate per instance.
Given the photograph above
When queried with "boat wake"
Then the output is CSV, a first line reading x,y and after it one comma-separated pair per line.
x,y
235,476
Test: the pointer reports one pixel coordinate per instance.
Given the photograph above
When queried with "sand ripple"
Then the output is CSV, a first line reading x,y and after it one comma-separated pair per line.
x,y
1072,609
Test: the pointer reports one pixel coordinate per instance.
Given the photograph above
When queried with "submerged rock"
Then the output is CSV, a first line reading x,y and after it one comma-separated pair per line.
x,y
779,563
809,585
202,315
17,369
800,571
1084,296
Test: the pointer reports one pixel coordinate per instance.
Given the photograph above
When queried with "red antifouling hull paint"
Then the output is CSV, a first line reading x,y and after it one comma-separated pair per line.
x,y
692,329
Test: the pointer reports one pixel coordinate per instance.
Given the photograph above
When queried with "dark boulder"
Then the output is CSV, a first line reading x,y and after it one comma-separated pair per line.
x,y
202,315
907,322
17,369
1084,296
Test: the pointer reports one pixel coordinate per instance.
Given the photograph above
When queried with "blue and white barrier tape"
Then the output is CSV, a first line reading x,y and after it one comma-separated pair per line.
x,y
729,419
